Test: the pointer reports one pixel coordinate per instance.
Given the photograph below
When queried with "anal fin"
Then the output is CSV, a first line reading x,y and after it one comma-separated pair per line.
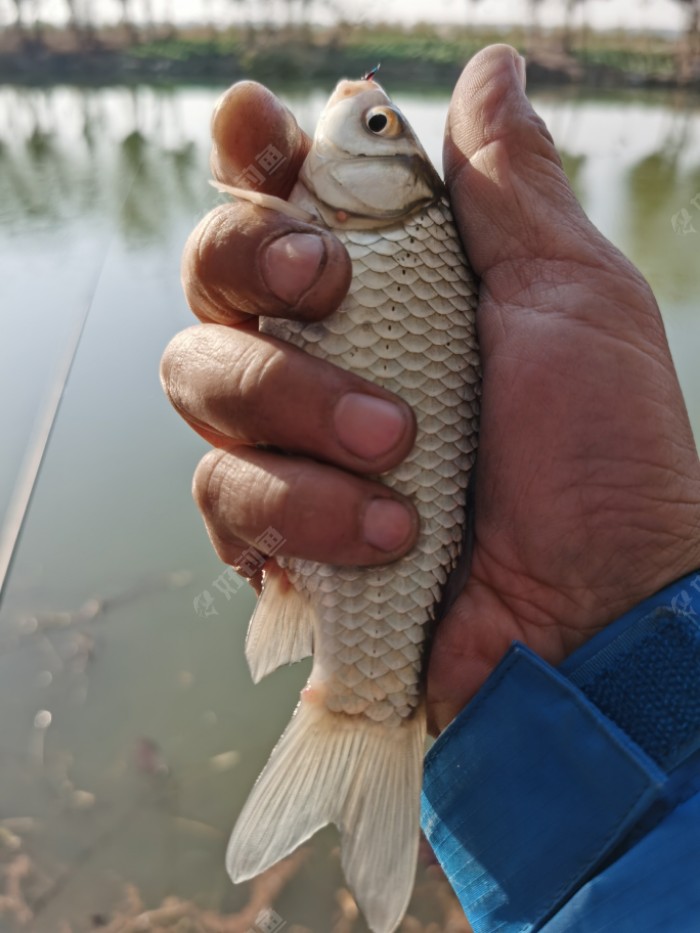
x,y
280,630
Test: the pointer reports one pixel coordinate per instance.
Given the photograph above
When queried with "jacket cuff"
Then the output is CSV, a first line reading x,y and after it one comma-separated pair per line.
x,y
547,771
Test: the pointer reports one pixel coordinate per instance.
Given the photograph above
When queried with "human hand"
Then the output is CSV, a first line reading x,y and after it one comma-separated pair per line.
x,y
588,487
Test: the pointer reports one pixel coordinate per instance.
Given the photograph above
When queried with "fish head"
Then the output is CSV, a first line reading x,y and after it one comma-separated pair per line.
x,y
365,160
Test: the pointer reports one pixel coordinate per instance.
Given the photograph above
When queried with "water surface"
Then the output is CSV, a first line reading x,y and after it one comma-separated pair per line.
x,y
156,732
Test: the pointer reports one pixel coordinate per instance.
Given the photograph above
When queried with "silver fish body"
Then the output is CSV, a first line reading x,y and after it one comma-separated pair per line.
x,y
352,754
407,325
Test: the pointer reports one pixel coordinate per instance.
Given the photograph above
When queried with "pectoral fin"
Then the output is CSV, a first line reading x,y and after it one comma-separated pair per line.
x,y
268,201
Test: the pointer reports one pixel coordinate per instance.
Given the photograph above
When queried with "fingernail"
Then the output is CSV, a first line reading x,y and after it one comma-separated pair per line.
x,y
521,70
368,426
291,265
387,524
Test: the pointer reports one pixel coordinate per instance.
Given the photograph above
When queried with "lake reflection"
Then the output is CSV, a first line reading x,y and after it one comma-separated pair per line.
x,y
155,733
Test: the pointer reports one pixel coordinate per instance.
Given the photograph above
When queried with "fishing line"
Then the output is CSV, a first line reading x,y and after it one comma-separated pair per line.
x,y
30,471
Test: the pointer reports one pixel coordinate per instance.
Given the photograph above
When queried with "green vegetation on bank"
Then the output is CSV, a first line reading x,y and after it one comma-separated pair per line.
x,y
614,59
419,54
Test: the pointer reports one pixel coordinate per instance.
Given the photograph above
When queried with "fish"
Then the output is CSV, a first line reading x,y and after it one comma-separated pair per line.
x,y
352,754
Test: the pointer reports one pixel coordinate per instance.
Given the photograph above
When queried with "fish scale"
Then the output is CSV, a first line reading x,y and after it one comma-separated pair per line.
x,y
434,475
352,753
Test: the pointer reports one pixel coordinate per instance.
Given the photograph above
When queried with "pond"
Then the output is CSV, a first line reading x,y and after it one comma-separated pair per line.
x,y
130,731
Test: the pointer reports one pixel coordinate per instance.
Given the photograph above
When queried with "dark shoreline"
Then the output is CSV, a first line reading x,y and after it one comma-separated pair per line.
x,y
405,57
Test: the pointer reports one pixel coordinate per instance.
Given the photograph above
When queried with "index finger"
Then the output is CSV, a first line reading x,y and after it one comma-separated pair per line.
x,y
241,259
256,142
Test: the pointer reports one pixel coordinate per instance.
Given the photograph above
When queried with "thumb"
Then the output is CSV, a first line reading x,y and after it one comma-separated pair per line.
x,y
509,193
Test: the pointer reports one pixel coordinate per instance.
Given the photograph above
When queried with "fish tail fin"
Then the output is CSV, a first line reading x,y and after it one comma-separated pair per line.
x,y
363,776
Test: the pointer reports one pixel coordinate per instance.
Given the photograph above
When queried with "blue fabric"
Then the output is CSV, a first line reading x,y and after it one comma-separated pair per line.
x,y
634,689
567,800
644,672
655,886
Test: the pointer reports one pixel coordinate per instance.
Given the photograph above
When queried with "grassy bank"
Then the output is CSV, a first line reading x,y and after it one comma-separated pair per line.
x,y
421,55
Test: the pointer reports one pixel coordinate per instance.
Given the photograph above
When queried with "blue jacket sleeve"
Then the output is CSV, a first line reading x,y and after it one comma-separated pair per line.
x,y
568,800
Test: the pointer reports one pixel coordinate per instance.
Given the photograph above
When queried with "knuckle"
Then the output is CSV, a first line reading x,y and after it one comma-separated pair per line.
x,y
173,367
209,481
259,370
203,257
237,499
209,240
267,498
538,125
316,510
289,505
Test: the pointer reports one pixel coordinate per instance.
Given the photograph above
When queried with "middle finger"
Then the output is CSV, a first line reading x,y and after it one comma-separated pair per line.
x,y
253,389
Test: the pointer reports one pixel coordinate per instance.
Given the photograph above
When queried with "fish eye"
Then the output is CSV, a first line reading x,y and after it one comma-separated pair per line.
x,y
383,121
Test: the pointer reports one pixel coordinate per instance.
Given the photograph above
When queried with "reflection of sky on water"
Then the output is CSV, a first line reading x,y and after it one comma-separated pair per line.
x,y
82,170
98,191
